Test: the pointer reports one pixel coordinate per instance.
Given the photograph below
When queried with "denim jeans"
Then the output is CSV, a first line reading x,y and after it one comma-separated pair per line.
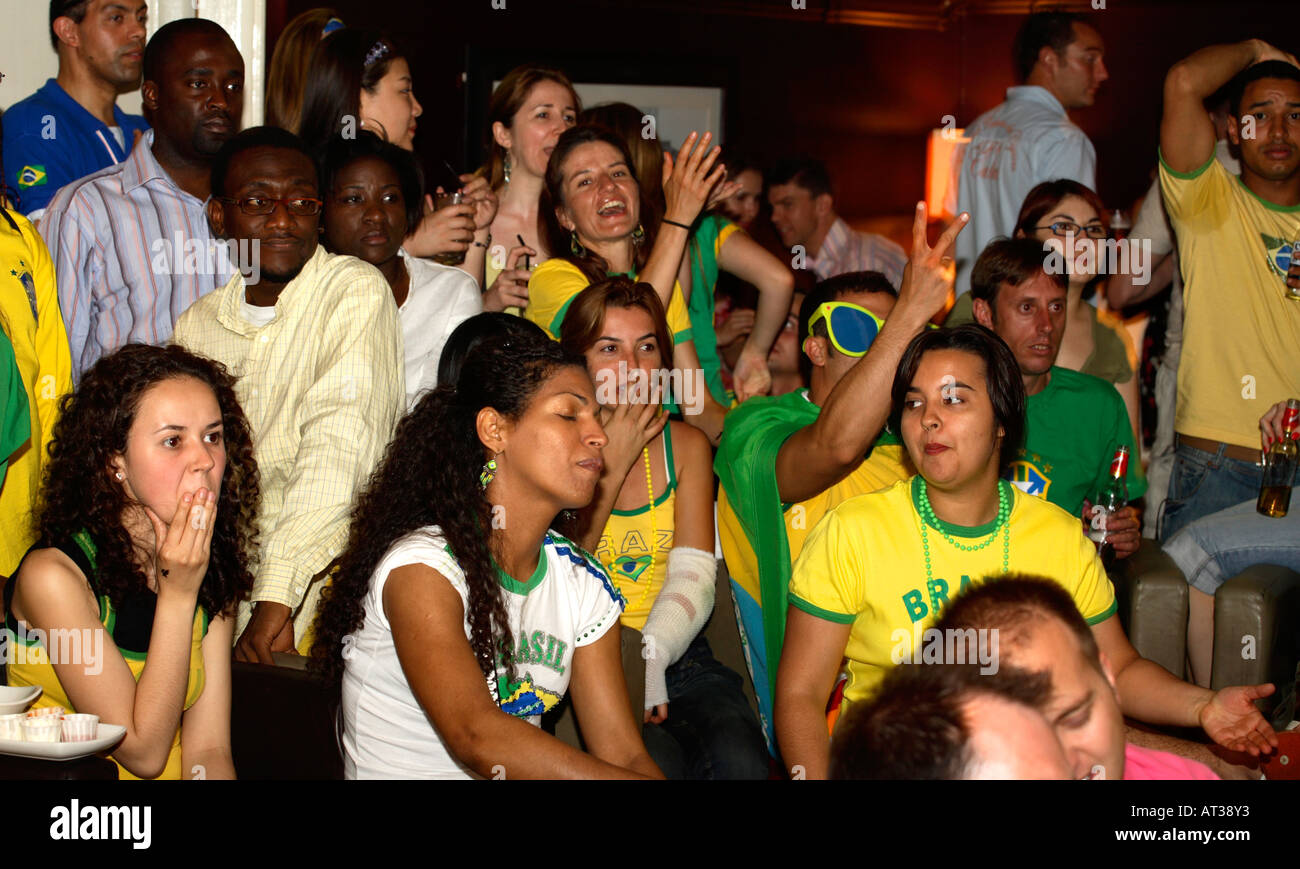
x,y
1203,483
711,731
1213,549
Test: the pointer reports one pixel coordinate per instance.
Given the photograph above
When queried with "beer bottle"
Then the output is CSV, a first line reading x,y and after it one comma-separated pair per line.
x,y
1112,497
1279,466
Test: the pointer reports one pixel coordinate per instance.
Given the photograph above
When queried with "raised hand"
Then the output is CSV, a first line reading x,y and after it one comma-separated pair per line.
x,y
1264,51
480,195
1231,719
182,547
511,286
930,271
447,230
689,181
629,427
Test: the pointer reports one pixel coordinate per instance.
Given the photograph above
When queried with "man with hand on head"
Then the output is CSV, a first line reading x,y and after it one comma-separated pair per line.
x,y
1073,421
317,348
72,126
130,243
1240,329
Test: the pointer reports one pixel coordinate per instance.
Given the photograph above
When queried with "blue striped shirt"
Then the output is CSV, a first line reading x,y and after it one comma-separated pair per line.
x,y
132,251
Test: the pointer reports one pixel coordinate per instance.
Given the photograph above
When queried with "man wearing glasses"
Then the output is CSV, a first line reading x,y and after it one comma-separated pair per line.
x,y
784,462
317,348
1029,138
130,243
1074,421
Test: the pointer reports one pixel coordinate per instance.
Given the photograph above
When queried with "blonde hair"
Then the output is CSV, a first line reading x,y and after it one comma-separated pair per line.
x,y
287,78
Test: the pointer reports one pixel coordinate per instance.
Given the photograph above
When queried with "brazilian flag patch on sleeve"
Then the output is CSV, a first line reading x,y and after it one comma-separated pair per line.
x,y
32,176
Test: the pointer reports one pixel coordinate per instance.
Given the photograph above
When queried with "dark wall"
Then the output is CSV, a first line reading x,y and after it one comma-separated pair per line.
x,y
862,98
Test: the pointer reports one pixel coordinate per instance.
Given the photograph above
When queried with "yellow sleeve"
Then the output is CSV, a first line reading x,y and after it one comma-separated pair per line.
x,y
728,230
550,291
54,378
829,576
1199,197
679,319
1093,594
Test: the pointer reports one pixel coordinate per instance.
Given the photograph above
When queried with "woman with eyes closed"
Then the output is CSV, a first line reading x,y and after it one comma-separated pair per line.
x,y
459,616
593,205
651,526
878,569
372,192
1054,213
143,547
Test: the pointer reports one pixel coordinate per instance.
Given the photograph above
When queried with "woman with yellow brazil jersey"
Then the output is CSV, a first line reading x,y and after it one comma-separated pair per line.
x,y
651,526
142,551
878,569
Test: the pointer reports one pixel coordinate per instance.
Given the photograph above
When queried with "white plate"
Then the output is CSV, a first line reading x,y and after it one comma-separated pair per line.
x,y
15,700
108,736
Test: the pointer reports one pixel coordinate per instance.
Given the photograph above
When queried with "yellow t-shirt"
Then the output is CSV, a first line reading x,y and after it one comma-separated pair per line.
x,y
863,565
29,316
29,664
554,284
635,544
1240,332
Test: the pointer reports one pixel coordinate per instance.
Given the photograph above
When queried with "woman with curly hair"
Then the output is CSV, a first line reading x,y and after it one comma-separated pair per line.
x,y
458,616
143,546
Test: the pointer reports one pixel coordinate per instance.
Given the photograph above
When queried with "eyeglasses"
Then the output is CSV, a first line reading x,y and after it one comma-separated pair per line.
x,y
851,327
300,205
1063,228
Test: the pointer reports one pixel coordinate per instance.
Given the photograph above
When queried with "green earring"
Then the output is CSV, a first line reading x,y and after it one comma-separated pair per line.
x,y
638,234
574,247
488,474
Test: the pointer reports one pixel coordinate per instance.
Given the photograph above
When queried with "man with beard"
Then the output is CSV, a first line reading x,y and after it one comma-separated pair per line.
x,y
316,343
130,243
72,125
1241,276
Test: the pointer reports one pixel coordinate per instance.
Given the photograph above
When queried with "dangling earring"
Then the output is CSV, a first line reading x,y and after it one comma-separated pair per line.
x,y
638,235
574,247
488,474
505,168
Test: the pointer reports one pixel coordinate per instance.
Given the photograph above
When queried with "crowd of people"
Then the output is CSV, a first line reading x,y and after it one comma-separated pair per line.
x,y
267,393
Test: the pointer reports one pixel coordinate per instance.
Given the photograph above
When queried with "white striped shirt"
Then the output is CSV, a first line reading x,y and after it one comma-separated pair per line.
x,y
844,250
132,251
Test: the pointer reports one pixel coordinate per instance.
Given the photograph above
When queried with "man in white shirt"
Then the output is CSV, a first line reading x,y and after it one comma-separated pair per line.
x,y
1029,138
803,212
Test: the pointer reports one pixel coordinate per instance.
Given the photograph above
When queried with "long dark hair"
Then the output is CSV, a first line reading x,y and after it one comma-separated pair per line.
x,y
337,75
430,476
81,494
1001,374
558,240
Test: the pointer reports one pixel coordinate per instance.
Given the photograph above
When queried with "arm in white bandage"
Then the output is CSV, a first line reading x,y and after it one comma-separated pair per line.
x,y
679,613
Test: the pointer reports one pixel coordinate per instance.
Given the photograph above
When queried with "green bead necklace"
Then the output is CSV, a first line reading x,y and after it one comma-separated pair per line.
x,y
929,519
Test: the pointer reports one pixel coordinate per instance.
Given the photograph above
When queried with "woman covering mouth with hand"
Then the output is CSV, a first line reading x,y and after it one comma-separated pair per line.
x,y
144,542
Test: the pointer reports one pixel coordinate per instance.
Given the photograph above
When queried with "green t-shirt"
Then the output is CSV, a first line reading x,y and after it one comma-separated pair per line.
x,y
15,416
1071,431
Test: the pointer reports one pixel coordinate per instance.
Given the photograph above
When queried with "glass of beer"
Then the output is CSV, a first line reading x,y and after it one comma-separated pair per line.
x,y
441,201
